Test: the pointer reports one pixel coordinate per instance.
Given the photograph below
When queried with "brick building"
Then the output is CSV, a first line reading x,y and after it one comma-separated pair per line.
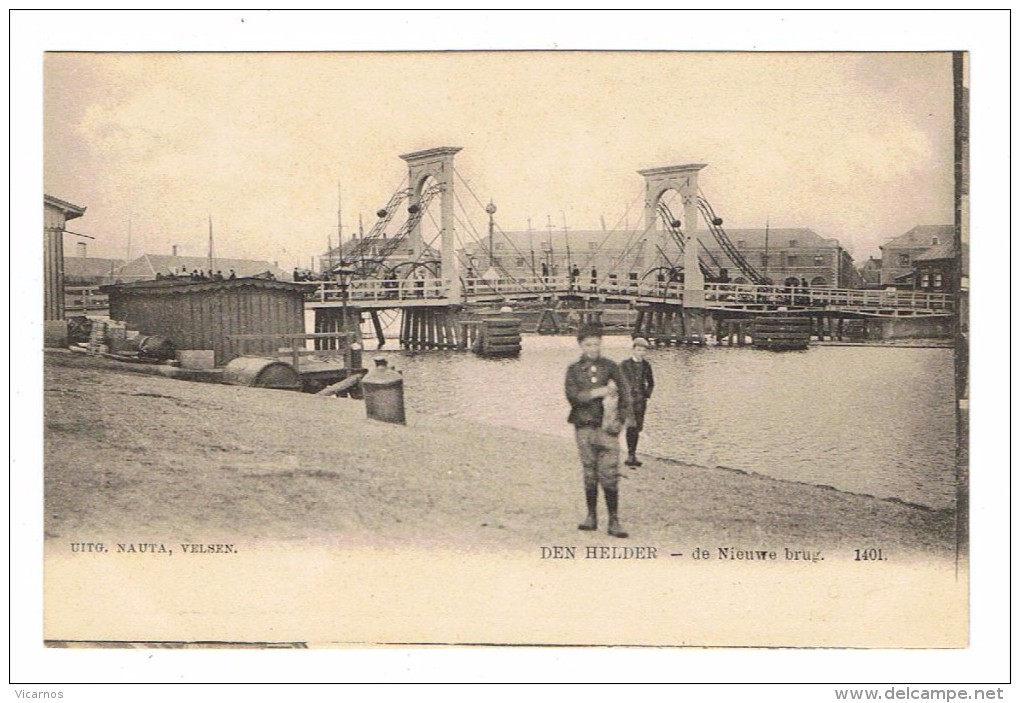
x,y
934,269
871,273
899,253
632,254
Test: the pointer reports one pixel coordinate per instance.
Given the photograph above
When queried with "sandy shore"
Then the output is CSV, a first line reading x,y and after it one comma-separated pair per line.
x,y
133,456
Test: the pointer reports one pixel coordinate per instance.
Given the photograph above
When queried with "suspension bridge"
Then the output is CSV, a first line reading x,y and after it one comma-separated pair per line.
x,y
412,264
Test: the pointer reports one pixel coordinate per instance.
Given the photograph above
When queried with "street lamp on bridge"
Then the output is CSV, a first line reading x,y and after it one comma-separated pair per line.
x,y
344,277
491,274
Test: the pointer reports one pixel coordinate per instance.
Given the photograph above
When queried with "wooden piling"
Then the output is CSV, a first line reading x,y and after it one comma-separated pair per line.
x,y
405,316
377,326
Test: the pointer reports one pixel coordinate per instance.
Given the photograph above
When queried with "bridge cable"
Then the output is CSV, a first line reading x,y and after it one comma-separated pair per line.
x,y
636,237
501,231
715,226
678,237
399,194
612,230
478,241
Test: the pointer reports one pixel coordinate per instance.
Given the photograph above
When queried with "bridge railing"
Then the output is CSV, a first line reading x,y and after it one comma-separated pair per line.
x,y
376,289
660,290
520,286
734,294
716,294
373,289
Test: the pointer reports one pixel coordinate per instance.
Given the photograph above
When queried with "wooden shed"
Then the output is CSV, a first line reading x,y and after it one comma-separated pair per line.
x,y
206,314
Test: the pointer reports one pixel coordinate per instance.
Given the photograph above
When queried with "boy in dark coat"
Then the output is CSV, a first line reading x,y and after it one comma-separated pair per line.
x,y
638,373
590,380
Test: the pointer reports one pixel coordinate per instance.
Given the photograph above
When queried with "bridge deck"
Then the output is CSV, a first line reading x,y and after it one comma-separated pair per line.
x,y
376,293
732,297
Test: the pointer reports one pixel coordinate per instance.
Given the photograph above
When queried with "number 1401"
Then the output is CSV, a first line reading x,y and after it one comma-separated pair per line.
x,y
870,554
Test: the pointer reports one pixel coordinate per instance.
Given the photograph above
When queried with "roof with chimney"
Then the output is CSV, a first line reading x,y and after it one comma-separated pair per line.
x,y
939,252
91,267
921,236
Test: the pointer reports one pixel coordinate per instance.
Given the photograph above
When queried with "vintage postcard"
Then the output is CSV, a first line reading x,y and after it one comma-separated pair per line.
x,y
481,348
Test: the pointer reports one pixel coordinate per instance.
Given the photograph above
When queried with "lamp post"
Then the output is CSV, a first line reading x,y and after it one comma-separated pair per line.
x,y
343,273
491,209
491,275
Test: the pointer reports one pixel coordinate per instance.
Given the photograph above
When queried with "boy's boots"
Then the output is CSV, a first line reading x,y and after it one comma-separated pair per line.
x,y
632,441
612,502
591,495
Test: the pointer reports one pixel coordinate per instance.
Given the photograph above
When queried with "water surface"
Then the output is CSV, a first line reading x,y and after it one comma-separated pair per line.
x,y
864,419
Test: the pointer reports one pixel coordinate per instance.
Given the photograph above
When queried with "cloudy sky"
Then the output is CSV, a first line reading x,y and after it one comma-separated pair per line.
x,y
858,147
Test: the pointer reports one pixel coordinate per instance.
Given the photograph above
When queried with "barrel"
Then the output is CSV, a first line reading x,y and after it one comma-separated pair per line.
x,y
261,372
124,345
156,347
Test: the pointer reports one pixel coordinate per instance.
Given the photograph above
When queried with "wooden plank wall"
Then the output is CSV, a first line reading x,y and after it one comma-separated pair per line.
x,y
207,319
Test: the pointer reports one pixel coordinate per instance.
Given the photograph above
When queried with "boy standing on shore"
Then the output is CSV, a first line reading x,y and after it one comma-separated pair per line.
x,y
638,373
589,380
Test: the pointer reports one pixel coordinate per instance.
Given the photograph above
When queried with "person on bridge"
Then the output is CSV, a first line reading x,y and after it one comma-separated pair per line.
x,y
594,279
419,282
638,373
590,381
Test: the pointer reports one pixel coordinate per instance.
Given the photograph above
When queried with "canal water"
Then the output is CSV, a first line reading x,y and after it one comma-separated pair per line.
x,y
862,419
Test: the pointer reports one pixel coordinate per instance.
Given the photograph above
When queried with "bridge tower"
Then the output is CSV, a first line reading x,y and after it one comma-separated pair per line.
x,y
436,163
684,180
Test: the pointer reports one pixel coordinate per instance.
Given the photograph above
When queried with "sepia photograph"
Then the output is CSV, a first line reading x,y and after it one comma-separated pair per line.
x,y
628,348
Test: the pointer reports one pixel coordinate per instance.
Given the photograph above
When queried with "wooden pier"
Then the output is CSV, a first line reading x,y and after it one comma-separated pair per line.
x,y
429,328
665,325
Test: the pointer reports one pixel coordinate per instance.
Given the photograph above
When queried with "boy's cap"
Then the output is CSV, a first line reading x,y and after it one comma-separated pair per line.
x,y
639,342
589,331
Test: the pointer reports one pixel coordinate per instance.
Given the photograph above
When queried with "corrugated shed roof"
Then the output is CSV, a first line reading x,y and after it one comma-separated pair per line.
x,y
171,286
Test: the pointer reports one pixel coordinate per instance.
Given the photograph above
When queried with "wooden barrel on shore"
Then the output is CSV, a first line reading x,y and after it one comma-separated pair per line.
x,y
155,346
261,372
781,333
